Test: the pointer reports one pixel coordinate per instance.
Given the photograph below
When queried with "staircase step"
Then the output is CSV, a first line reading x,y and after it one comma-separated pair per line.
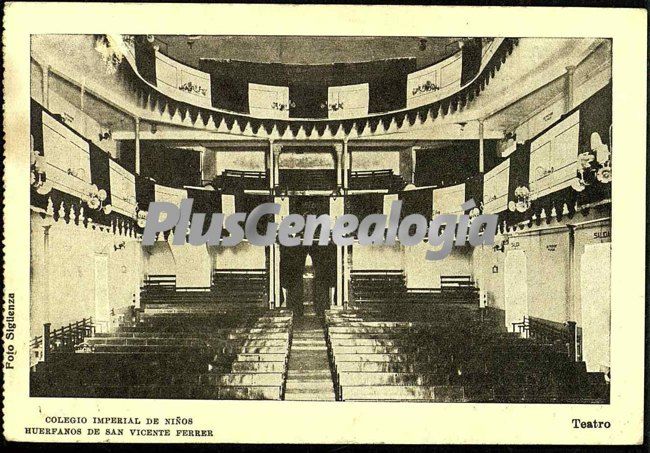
x,y
303,340
317,375
309,386
309,396
309,348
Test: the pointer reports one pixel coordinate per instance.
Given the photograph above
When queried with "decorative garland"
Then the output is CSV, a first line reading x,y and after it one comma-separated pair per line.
x,y
593,165
193,89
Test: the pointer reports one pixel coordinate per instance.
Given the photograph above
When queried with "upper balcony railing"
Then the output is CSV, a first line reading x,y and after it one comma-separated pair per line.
x,y
380,92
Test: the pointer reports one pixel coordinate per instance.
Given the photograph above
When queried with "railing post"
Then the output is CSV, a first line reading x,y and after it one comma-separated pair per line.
x,y
46,341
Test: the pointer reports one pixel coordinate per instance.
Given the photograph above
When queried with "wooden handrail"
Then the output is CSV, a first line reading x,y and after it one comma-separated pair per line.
x,y
239,271
376,271
370,173
549,332
63,339
244,174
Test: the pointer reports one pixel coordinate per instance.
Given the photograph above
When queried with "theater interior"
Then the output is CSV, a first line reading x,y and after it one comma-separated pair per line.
x,y
321,125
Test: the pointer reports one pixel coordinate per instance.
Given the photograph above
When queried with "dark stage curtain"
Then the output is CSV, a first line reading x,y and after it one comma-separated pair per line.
x,y
308,84
36,125
471,54
170,166
417,202
145,59
447,165
519,169
388,85
99,170
595,116
205,201
145,191
229,84
246,203
309,98
363,205
474,189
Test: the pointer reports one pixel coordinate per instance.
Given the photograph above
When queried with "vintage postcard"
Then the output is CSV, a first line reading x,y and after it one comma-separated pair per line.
x,y
323,224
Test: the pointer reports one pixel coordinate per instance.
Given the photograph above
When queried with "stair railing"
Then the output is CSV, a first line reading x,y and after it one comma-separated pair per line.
x,y
567,335
522,327
63,339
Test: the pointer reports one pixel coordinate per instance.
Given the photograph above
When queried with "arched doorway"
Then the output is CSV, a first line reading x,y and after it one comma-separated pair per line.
x,y
320,276
293,262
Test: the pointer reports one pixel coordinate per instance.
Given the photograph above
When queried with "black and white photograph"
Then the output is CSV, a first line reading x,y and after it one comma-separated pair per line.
x,y
321,125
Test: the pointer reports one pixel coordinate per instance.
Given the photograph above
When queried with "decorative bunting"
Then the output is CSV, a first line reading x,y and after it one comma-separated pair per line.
x,y
412,116
321,126
342,128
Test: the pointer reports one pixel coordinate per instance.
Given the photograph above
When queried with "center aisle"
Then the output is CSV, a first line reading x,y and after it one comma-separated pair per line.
x,y
309,377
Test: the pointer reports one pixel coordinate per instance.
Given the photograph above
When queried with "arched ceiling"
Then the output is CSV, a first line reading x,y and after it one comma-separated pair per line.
x,y
314,50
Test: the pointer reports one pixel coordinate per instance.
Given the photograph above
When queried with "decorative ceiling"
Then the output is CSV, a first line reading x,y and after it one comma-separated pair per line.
x,y
306,49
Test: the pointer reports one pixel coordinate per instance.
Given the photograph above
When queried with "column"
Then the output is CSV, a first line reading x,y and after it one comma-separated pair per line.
x,y
275,165
46,272
346,166
136,130
277,284
338,148
208,164
414,155
82,104
481,150
345,271
274,250
268,163
568,88
82,96
47,327
336,210
201,165
139,272
347,266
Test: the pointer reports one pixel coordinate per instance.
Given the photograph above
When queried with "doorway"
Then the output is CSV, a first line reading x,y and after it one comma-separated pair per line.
x,y
516,287
307,276
595,297
102,315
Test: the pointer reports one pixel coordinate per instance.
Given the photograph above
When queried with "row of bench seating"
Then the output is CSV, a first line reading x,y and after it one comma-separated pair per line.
x,y
376,180
437,353
377,286
231,285
198,350
453,289
234,285
390,285
233,181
